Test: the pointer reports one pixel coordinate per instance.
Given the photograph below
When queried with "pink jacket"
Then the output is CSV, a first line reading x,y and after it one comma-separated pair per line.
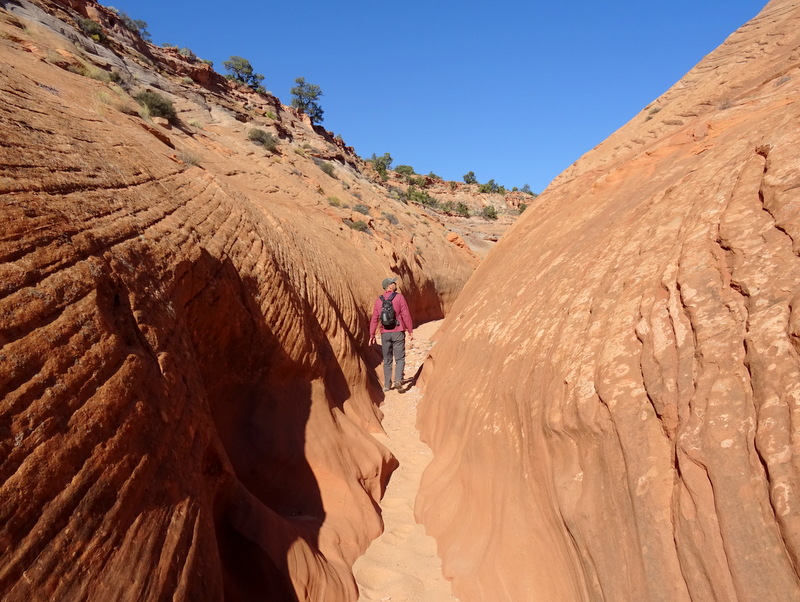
x,y
400,309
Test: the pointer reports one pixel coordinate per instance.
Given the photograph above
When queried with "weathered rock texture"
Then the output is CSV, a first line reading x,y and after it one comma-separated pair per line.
x,y
614,404
186,392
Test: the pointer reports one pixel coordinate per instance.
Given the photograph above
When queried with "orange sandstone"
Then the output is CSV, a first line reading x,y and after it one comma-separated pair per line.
x,y
614,402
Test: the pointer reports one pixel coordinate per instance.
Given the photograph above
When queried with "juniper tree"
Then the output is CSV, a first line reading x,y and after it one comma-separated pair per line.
x,y
305,98
137,26
241,70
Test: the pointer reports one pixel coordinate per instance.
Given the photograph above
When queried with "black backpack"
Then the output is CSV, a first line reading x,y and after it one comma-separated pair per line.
x,y
388,317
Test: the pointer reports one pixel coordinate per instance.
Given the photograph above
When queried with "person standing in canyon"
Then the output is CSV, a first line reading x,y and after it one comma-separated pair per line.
x,y
391,313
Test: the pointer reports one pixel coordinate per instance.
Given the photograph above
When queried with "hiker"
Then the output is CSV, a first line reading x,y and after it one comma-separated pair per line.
x,y
391,312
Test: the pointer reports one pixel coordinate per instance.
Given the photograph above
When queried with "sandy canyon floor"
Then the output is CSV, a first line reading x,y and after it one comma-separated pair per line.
x,y
402,563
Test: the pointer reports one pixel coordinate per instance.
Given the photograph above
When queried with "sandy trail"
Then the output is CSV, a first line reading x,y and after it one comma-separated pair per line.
x,y
402,563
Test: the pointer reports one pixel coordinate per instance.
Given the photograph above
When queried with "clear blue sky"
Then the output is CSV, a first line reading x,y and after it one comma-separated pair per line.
x,y
513,90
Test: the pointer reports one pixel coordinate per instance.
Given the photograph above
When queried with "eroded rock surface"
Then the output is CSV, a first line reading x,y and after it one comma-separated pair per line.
x,y
186,393
614,404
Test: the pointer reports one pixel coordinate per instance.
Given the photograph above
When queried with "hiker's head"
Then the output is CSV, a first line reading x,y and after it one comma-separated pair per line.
x,y
387,282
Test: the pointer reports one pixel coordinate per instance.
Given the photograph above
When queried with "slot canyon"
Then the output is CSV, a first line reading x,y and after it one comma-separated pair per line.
x,y
606,386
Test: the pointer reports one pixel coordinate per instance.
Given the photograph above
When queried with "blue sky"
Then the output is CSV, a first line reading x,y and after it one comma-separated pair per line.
x,y
514,91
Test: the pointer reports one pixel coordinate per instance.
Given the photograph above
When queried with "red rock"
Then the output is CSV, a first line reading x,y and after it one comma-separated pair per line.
x,y
613,403
186,392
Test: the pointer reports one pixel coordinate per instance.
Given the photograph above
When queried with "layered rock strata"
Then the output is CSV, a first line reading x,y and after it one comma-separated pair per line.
x,y
186,393
614,403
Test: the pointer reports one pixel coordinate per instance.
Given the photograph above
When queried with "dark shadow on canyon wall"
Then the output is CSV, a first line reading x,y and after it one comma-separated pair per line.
x,y
260,401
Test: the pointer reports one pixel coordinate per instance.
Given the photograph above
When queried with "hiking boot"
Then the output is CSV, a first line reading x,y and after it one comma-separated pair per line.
x,y
387,388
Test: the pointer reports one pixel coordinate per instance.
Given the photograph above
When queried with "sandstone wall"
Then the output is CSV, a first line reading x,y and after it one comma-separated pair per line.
x,y
614,403
185,387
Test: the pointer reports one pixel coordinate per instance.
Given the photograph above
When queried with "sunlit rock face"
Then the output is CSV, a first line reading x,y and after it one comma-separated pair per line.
x,y
186,390
614,403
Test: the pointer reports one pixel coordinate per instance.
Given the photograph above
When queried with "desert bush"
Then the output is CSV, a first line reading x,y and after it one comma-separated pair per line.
x,y
391,218
470,178
262,138
78,69
96,73
522,207
421,181
185,52
492,187
92,28
489,212
361,209
405,170
358,225
189,158
156,105
462,209
397,194
326,167
415,195
334,201
448,207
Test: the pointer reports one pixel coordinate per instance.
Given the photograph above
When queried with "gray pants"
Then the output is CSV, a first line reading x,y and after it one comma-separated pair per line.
x,y
394,348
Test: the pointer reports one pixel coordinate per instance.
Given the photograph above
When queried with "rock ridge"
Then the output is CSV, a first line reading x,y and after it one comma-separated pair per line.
x,y
613,402
186,390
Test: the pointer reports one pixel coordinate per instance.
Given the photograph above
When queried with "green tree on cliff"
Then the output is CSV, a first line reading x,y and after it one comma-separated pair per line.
x,y
240,70
470,178
381,164
137,26
304,98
